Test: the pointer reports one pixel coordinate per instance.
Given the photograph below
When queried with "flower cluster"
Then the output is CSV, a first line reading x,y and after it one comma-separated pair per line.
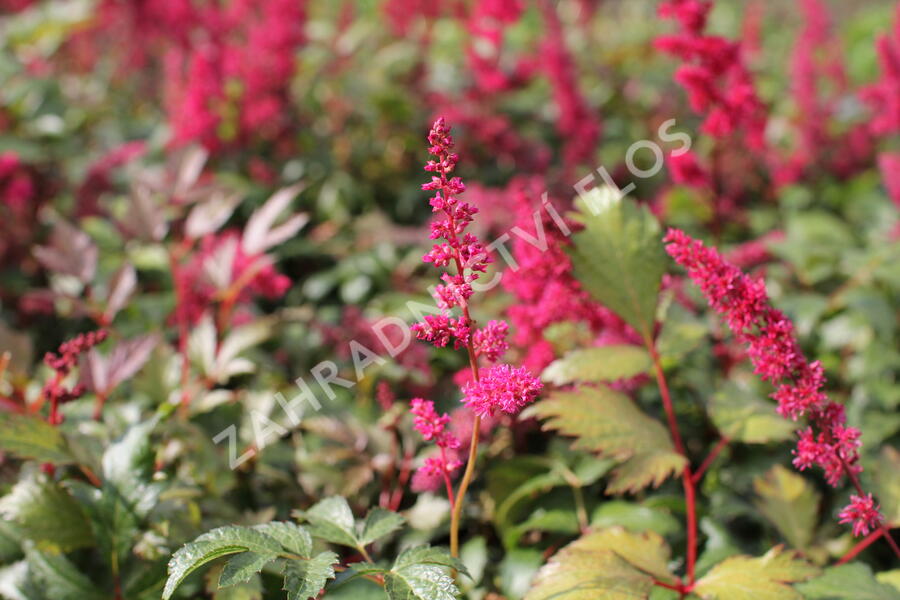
x,y
777,358
577,125
458,249
502,387
714,74
433,427
62,362
863,513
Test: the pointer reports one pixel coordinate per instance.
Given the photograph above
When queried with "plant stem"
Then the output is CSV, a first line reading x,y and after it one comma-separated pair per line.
x,y
860,546
463,486
854,479
687,480
717,449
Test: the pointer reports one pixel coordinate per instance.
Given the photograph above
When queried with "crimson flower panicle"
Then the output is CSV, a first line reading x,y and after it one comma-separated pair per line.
x,y
502,387
863,513
776,356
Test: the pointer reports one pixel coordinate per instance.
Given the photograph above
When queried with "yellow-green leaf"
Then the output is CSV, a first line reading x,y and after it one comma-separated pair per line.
x,y
743,416
587,569
764,578
608,422
790,503
604,363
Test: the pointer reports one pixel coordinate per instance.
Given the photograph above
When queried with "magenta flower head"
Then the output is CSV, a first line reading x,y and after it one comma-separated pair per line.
x,y
863,513
502,387
776,356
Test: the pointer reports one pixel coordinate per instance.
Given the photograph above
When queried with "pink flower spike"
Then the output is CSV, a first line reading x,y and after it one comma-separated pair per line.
x,y
863,513
502,387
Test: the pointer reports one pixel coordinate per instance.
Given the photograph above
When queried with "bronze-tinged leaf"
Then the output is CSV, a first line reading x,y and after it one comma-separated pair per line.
x,y
764,578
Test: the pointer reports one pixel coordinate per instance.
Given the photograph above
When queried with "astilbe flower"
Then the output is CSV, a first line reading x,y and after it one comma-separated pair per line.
x,y
501,386
62,362
776,356
863,513
577,124
486,25
714,73
433,428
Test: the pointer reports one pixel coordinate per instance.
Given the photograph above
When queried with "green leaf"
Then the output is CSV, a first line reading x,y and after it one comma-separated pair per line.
x,y
790,503
618,257
635,517
47,514
887,483
128,468
332,520
290,535
646,551
420,573
891,578
32,438
853,581
587,569
231,539
604,363
608,422
304,579
60,579
428,555
379,523
763,578
743,416
240,568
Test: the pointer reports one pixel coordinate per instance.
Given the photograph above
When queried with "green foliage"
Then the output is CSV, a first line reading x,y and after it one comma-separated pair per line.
x,y
608,422
852,581
764,578
611,563
605,363
304,579
618,257
47,514
33,438
744,417
332,520
790,503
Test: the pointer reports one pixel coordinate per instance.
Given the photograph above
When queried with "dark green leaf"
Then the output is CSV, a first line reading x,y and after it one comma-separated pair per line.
x,y
853,581
304,579
32,438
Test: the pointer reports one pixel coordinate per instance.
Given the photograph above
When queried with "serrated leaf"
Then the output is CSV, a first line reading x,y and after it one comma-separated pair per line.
x,y
332,520
379,523
47,514
743,416
608,422
618,257
604,363
430,555
853,581
304,579
763,578
128,466
581,571
32,438
421,573
240,568
290,535
790,503
646,552
59,578
231,539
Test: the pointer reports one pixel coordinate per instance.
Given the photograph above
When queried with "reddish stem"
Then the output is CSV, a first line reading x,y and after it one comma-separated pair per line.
x,y
708,461
687,480
446,475
859,490
860,546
